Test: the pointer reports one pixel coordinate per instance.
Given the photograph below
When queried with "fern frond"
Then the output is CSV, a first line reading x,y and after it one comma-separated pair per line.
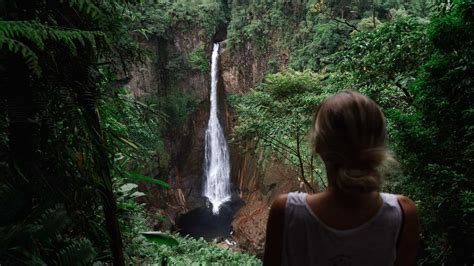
x,y
52,222
79,252
87,7
15,235
37,33
30,57
13,34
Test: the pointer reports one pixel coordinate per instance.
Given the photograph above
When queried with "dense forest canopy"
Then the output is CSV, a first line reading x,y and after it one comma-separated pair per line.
x,y
76,146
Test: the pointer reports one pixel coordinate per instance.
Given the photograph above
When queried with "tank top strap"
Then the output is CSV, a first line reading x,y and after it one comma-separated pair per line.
x,y
390,199
296,199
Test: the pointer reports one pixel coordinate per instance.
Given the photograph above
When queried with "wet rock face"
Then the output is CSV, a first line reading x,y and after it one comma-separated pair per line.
x,y
167,70
193,82
143,77
242,70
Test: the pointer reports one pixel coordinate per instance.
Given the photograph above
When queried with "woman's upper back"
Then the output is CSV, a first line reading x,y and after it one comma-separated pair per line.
x,y
308,241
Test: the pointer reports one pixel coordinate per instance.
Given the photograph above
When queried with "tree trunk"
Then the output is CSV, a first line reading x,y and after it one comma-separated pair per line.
x,y
373,13
300,162
88,100
113,227
106,189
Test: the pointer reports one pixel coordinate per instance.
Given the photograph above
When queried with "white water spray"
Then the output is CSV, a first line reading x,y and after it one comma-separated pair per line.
x,y
216,158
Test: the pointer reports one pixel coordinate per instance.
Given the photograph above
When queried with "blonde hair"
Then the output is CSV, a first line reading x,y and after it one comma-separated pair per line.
x,y
349,134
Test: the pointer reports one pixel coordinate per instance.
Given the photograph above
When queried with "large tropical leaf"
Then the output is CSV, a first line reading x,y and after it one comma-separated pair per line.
x,y
160,238
136,176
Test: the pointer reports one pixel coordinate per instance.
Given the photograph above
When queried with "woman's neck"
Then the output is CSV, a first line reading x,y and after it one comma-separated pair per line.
x,y
352,199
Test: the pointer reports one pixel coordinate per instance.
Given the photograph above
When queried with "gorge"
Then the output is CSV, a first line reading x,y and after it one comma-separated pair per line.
x,y
252,183
254,179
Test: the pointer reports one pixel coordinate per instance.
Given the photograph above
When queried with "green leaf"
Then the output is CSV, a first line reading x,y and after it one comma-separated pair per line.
x,y
137,194
160,238
128,142
127,187
136,176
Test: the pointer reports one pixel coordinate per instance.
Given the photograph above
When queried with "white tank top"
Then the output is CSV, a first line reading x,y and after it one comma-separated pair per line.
x,y
308,241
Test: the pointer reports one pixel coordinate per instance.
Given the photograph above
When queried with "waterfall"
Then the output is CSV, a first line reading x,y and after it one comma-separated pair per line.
x,y
216,158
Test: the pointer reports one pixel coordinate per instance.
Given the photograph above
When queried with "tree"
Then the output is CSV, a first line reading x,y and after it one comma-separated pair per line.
x,y
277,116
383,62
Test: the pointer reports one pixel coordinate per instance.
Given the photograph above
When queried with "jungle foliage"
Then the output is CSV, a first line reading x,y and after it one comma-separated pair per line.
x,y
55,154
73,142
302,34
436,140
420,71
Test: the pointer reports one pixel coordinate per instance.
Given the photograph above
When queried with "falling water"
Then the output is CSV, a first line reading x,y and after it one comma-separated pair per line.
x,y
216,159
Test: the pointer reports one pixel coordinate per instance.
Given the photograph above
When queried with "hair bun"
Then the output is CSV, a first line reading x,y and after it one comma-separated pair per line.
x,y
366,173
357,180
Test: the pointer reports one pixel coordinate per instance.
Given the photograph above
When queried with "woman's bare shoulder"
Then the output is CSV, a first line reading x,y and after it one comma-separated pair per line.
x,y
408,205
410,234
279,202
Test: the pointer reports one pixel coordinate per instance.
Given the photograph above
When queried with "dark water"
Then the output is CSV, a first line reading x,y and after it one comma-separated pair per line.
x,y
201,222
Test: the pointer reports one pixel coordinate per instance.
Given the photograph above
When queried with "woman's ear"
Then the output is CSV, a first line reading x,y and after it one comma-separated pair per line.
x,y
317,150
318,146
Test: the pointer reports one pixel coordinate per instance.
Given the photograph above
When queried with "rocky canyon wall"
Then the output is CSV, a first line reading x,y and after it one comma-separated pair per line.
x,y
256,183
